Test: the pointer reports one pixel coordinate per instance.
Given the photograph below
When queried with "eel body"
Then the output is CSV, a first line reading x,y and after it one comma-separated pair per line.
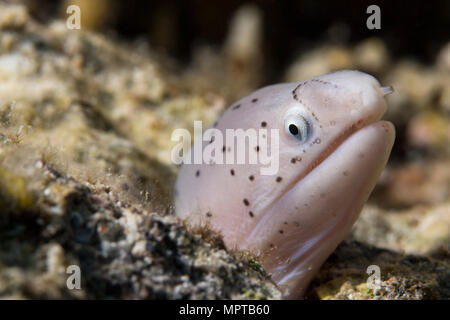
x,y
320,149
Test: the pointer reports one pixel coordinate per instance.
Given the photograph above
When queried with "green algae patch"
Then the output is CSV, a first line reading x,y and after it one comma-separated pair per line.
x,y
13,192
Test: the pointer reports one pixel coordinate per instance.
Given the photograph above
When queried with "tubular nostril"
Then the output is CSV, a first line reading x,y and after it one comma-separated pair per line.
x,y
387,90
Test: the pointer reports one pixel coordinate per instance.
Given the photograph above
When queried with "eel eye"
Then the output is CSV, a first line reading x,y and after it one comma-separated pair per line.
x,y
296,125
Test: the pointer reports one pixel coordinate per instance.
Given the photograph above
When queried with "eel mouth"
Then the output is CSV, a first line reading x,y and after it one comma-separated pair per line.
x,y
340,139
349,131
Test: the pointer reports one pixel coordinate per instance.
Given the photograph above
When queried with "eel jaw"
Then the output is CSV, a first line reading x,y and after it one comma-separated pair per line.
x,y
346,180
346,133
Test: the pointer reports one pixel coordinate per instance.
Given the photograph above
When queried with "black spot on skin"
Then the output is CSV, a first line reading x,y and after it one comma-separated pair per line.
x,y
271,245
257,148
232,172
251,178
263,124
197,173
209,214
279,179
236,106
254,100
285,222
246,202
293,160
250,214
281,231
223,149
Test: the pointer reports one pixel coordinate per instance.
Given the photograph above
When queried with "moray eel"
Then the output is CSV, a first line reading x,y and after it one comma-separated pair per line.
x,y
332,147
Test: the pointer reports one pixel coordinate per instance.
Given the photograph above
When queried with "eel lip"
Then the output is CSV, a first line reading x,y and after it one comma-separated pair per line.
x,y
352,129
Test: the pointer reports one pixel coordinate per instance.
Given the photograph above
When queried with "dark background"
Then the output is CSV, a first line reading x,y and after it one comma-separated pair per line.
x,y
416,29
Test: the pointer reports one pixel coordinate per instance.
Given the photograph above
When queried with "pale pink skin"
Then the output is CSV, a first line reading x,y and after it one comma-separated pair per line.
x,y
297,222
